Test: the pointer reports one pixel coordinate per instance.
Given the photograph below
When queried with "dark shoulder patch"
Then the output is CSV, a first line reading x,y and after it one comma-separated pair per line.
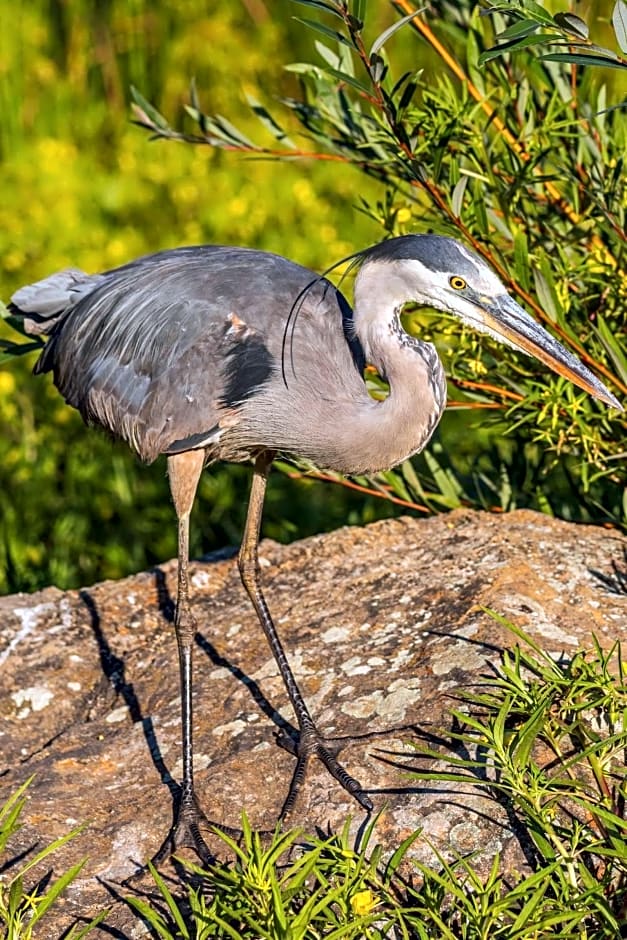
x,y
248,366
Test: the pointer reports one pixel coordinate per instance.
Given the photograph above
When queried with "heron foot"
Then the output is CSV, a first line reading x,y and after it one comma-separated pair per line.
x,y
184,833
312,744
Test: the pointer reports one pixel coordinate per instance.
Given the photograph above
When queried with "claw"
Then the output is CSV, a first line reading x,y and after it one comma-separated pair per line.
x,y
311,743
184,833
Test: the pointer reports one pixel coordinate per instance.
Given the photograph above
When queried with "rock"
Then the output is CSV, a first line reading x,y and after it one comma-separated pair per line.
x,y
383,626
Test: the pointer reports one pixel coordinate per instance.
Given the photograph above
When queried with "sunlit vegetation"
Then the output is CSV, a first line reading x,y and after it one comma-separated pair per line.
x,y
537,185
83,187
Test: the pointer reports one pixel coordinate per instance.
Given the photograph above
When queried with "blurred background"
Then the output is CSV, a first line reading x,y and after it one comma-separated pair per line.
x,y
82,186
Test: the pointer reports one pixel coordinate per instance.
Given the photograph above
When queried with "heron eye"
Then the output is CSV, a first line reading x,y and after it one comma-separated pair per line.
x,y
457,282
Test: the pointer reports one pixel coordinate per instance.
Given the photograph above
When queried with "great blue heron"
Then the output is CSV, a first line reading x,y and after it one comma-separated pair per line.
x,y
217,353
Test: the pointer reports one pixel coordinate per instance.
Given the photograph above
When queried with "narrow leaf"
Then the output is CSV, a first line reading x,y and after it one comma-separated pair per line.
x,y
521,257
142,106
533,39
546,294
57,888
329,56
229,130
446,482
399,854
572,24
49,849
9,351
521,28
576,58
151,916
613,346
457,199
327,7
171,903
344,77
542,15
321,28
269,122
381,40
528,734
79,933
359,10
619,22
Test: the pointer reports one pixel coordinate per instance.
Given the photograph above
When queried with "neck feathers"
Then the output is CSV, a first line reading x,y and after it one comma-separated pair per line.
x,y
330,419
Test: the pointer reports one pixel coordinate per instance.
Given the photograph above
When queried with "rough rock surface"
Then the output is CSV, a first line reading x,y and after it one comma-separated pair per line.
x,y
383,625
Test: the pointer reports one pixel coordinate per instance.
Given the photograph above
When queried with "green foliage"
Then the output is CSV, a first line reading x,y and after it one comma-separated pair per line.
x,y
546,739
565,30
535,185
23,906
81,187
282,891
549,739
520,156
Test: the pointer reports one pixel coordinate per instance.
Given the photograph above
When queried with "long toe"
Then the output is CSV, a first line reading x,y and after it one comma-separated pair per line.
x,y
312,744
336,770
184,833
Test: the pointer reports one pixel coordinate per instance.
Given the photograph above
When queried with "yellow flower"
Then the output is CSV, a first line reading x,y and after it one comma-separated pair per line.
x,y
303,192
477,367
13,260
7,383
363,902
186,192
403,215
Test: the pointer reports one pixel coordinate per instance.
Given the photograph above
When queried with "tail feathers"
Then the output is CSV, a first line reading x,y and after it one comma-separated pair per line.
x,y
43,304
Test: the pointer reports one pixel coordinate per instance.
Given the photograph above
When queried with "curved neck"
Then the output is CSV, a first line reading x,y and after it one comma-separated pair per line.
x,y
364,435
402,424
331,420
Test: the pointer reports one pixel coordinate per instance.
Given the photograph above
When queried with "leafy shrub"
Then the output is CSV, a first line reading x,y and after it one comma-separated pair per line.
x,y
519,154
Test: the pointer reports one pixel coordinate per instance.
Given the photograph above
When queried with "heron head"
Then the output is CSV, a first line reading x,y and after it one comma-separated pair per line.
x,y
440,272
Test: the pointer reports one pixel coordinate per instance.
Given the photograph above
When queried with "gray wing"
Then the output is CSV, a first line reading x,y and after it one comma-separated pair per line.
x,y
162,351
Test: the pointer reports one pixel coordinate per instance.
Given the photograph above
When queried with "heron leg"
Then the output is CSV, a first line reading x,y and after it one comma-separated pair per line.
x,y
310,743
184,473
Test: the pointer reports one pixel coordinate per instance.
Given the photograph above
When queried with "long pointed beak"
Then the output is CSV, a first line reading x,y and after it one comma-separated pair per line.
x,y
505,319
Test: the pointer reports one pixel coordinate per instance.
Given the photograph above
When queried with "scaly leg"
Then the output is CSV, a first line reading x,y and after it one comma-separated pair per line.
x,y
184,472
310,740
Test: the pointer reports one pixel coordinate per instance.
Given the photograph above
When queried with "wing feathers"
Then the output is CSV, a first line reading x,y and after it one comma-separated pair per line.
x,y
169,350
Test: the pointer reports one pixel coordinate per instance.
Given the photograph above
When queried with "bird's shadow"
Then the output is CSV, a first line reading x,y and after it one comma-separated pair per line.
x,y
615,583
251,685
167,607
114,669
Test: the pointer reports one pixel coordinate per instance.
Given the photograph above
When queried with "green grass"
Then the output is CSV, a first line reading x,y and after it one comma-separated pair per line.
x,y
26,897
